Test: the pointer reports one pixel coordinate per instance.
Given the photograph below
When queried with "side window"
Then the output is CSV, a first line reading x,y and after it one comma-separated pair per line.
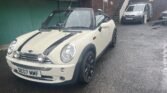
x,y
146,8
99,19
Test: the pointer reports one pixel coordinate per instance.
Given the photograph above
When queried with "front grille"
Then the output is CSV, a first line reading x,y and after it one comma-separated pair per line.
x,y
31,57
31,67
28,57
130,16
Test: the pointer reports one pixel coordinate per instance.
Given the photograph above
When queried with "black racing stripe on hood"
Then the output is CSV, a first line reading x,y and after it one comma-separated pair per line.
x,y
20,48
55,44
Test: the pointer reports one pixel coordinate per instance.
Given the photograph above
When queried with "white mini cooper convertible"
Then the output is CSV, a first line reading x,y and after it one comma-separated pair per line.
x,y
64,49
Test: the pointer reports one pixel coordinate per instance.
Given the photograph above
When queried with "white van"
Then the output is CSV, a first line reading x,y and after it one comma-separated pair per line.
x,y
139,12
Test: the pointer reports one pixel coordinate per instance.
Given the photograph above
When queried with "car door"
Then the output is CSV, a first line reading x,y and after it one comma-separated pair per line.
x,y
107,28
103,31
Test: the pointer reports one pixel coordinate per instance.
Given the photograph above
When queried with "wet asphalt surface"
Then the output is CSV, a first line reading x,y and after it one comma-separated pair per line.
x,y
135,65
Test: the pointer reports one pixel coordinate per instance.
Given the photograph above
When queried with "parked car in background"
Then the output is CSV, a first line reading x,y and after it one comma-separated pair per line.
x,y
138,12
163,15
65,49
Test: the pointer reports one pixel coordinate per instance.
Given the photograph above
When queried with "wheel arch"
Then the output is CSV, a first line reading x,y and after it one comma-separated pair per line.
x,y
89,47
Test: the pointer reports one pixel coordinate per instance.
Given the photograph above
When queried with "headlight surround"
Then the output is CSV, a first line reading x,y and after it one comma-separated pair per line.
x,y
11,47
16,54
67,53
140,15
123,15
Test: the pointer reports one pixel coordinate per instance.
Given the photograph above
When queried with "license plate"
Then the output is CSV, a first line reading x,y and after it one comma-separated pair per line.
x,y
29,72
129,18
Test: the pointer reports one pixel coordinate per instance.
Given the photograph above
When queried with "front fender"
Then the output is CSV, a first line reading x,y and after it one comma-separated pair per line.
x,y
89,47
23,38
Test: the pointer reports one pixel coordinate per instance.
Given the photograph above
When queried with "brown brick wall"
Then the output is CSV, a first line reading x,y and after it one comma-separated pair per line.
x,y
98,4
85,3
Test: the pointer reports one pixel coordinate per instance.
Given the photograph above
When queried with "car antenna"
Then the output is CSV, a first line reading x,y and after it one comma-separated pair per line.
x,y
59,14
69,6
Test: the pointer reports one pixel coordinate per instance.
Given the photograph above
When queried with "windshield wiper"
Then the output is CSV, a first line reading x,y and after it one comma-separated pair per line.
x,y
76,27
51,27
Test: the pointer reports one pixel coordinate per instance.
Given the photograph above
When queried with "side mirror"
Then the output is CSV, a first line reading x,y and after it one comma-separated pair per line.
x,y
100,28
103,25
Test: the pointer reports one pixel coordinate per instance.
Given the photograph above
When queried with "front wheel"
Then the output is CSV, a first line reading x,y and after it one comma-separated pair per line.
x,y
87,68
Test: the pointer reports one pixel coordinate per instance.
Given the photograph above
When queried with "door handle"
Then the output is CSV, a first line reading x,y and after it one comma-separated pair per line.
x,y
100,29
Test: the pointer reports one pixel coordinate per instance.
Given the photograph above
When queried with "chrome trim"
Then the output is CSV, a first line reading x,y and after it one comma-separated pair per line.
x,y
31,67
33,58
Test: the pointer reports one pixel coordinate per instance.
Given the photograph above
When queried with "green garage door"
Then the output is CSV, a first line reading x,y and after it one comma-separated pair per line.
x,y
21,16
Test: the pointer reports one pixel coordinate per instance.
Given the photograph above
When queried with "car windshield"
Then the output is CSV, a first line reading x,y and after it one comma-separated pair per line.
x,y
139,7
73,19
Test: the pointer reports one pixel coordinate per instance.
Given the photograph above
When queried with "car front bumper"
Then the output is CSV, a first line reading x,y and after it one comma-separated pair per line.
x,y
132,19
49,73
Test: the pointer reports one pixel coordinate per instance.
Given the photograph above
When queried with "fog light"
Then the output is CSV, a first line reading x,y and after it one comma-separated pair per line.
x,y
9,51
62,78
16,54
41,58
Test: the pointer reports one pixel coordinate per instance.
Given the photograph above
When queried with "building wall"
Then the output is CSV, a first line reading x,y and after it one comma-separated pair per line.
x,y
85,3
108,7
21,16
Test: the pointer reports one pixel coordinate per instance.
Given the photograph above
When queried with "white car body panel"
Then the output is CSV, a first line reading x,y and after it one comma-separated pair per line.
x,y
145,11
136,13
44,39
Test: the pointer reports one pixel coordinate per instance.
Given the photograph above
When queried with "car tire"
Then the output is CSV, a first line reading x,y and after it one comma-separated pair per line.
x,y
87,68
114,39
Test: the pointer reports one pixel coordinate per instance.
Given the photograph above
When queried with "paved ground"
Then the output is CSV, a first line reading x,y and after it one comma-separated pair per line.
x,y
137,65
3,47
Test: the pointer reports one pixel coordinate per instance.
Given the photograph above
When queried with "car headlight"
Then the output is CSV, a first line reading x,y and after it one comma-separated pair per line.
x,y
67,53
140,15
11,47
16,54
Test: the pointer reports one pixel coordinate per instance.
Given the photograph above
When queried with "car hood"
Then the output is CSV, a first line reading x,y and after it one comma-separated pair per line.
x,y
46,40
135,13
41,41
